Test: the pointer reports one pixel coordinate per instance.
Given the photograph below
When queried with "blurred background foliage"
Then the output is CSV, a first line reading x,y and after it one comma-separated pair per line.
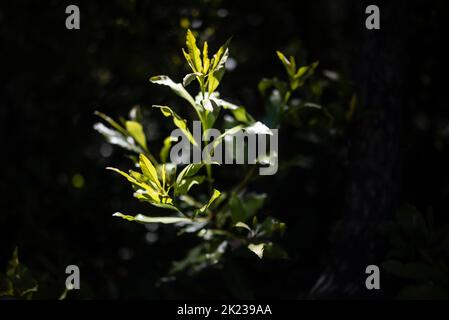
x,y
57,199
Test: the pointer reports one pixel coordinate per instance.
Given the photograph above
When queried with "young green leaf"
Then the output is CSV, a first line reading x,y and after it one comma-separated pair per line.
x,y
239,112
217,74
302,75
269,227
241,115
112,123
238,211
266,84
207,104
131,179
200,257
176,87
253,203
244,208
135,114
243,226
273,251
214,196
194,52
135,129
217,67
139,184
178,121
189,78
149,170
227,132
289,66
145,219
257,249
162,202
306,71
188,171
140,177
164,175
206,61
188,183
166,148
117,138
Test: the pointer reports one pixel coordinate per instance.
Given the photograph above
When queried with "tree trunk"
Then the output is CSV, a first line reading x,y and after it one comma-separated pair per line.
x,y
372,183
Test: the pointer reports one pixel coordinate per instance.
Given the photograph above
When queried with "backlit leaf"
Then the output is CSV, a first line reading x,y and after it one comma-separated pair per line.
x,y
145,219
257,249
178,121
189,78
214,196
117,138
166,148
188,171
193,51
135,129
176,87
188,183
149,170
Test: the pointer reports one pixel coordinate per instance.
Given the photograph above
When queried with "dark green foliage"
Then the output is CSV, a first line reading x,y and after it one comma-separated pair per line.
x,y
419,255
17,282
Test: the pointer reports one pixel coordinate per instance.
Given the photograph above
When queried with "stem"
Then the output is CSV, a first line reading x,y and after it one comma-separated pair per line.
x,y
190,201
148,154
237,189
245,180
287,96
208,166
203,87
281,111
209,176
152,158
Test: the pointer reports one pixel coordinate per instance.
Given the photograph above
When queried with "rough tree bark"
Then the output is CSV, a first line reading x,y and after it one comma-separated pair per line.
x,y
372,183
